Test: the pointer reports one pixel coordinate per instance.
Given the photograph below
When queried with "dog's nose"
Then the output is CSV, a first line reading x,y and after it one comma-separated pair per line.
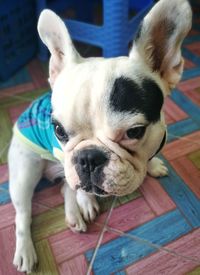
x,y
90,159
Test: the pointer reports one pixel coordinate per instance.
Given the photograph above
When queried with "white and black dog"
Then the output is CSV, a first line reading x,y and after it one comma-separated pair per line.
x,y
102,124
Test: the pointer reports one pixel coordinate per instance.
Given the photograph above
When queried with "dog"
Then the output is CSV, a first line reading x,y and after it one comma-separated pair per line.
x,y
102,126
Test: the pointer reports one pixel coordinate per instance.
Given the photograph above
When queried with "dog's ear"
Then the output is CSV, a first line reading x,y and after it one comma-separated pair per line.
x,y
55,36
159,39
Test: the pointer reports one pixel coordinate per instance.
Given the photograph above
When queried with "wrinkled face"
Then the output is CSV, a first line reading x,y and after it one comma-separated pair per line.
x,y
107,112
107,117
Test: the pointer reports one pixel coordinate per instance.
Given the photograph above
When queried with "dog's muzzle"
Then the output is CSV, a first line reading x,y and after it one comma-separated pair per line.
x,y
89,165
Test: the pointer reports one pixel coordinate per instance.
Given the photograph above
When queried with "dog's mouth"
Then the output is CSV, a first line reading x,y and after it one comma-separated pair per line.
x,y
94,189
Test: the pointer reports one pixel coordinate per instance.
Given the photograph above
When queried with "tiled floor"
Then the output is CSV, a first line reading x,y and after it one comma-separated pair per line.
x,y
154,231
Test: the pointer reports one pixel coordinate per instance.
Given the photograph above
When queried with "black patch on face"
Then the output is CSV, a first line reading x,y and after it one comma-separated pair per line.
x,y
129,97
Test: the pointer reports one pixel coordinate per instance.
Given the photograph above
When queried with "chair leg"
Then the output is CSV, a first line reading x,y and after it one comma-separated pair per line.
x,y
115,41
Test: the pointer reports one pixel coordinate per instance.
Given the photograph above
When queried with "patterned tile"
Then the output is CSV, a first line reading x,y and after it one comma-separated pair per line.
x,y
47,264
196,271
125,250
76,265
178,257
195,158
173,113
156,197
188,172
139,213
3,173
7,243
67,245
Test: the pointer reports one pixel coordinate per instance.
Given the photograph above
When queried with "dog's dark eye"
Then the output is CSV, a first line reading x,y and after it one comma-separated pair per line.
x,y
60,133
136,133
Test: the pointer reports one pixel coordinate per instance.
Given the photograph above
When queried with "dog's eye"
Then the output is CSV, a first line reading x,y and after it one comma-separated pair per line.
x,y
60,133
136,133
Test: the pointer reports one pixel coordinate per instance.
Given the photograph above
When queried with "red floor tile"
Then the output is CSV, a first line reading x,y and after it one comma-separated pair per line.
x,y
3,173
173,112
77,265
182,146
156,197
7,244
15,111
188,172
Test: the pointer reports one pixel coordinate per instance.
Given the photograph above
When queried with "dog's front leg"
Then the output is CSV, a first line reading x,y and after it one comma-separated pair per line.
x,y
88,205
25,169
72,212
80,207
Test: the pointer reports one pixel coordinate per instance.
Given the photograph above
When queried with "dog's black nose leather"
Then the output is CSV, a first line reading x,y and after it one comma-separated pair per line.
x,y
89,159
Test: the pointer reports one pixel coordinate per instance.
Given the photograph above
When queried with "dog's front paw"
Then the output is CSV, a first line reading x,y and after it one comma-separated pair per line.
x,y
157,168
88,205
80,207
73,215
25,258
75,220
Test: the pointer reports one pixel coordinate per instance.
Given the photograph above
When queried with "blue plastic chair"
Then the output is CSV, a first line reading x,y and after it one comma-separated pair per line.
x,y
18,37
115,33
